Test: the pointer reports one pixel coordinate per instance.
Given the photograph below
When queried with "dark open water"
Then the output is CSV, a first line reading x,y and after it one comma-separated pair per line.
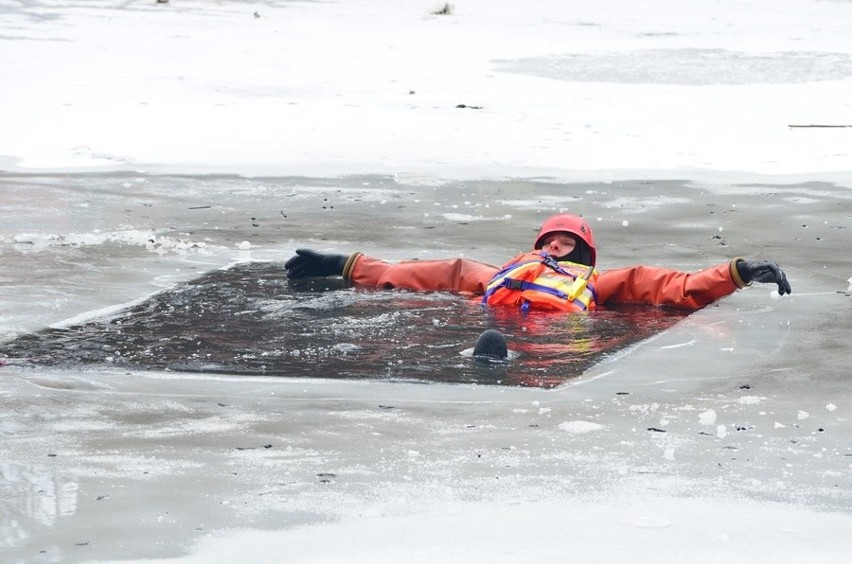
x,y
249,319
72,245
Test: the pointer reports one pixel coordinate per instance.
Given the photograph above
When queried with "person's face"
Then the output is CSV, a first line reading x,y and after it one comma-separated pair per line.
x,y
558,244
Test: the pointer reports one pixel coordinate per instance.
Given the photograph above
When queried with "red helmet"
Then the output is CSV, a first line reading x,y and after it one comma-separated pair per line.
x,y
573,224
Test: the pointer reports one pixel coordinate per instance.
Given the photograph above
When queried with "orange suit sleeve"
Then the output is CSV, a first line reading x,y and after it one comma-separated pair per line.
x,y
659,286
456,275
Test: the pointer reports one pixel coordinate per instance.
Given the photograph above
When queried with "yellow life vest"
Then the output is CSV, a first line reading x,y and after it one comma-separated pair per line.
x,y
538,281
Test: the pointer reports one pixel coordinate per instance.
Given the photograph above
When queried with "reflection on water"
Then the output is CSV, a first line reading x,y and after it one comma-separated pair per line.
x,y
249,319
33,499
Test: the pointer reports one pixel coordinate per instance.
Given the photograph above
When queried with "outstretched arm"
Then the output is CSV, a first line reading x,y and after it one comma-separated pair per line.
x,y
658,286
457,275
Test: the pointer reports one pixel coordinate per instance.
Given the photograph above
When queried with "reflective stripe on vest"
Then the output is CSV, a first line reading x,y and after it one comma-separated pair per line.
x,y
537,281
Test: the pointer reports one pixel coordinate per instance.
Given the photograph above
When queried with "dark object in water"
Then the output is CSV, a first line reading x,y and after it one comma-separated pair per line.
x,y
491,344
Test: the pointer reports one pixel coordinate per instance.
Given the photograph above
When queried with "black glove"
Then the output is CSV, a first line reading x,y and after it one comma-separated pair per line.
x,y
764,271
308,263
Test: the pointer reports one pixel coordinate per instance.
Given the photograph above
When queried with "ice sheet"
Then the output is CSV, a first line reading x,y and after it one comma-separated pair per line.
x,y
552,88
381,127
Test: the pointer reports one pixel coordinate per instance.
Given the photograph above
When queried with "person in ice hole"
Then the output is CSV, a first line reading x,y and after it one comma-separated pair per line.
x,y
557,275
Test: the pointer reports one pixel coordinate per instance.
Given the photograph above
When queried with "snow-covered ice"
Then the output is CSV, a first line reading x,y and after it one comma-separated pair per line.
x,y
312,88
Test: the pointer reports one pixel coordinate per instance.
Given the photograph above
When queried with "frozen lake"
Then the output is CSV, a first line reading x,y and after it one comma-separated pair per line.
x,y
112,278
167,395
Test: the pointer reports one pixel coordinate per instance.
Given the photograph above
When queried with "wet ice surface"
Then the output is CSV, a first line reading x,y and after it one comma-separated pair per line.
x,y
730,411
723,438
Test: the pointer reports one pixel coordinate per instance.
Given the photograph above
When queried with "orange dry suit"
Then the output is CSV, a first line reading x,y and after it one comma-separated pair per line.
x,y
636,284
538,281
